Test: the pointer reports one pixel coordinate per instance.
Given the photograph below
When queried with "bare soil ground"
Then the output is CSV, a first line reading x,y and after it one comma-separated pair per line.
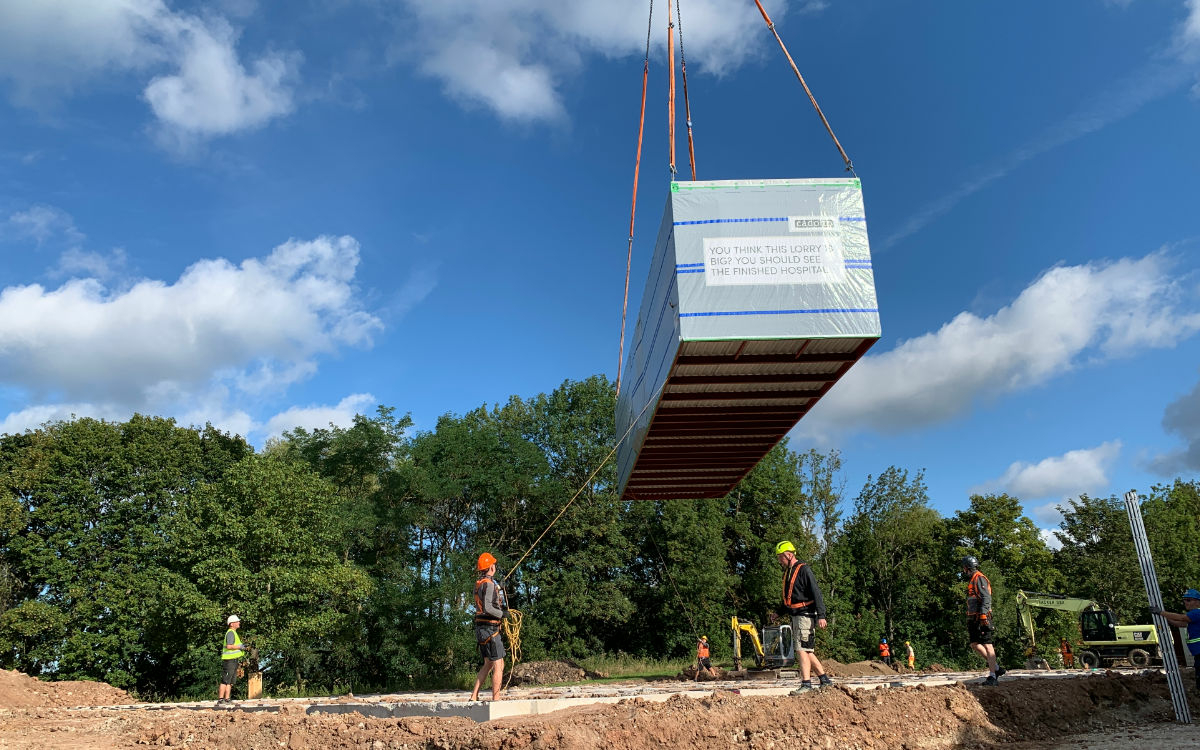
x,y
1018,714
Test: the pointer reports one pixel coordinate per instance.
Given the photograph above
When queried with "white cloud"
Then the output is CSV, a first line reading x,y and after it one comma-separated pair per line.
x,y
101,266
263,322
212,94
49,48
1182,418
1076,472
32,417
1067,317
43,225
310,417
515,57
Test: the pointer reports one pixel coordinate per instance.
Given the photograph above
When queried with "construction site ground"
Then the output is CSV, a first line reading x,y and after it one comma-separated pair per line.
x,y
869,706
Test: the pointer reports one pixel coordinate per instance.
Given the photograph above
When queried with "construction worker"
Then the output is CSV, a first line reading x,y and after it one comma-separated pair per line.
x,y
912,658
1068,658
885,652
980,629
231,655
491,606
1191,620
703,663
803,603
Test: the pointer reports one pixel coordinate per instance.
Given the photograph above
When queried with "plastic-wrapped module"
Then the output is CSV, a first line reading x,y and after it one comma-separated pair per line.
x,y
760,297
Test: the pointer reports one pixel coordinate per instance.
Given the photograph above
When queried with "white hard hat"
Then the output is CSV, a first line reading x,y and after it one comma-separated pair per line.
x,y
232,619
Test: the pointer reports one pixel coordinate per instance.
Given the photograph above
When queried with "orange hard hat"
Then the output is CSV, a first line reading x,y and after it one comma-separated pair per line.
x,y
485,561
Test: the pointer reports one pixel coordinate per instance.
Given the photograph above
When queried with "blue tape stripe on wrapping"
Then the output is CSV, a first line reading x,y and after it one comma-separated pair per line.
x,y
689,265
852,264
782,312
754,220
731,221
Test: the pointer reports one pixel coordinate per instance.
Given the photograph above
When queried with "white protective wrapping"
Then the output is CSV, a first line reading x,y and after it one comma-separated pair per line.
x,y
742,260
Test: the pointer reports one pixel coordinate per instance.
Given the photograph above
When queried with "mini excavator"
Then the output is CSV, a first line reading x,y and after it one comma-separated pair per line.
x,y
774,650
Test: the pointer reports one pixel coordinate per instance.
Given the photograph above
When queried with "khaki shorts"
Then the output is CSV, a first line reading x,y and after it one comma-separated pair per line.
x,y
804,631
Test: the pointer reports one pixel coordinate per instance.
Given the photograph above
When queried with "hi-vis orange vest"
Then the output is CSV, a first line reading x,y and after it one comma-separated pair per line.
x,y
789,585
702,650
973,593
885,650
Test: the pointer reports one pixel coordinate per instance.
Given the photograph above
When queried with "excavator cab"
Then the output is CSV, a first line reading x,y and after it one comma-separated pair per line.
x,y
1098,626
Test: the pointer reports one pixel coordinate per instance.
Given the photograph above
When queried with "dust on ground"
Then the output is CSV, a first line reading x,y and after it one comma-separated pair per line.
x,y
1023,713
18,690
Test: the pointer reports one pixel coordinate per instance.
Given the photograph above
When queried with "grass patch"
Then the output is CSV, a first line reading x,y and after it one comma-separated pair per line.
x,y
622,666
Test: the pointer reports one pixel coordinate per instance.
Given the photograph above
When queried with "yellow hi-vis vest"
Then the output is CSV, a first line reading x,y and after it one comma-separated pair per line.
x,y
227,653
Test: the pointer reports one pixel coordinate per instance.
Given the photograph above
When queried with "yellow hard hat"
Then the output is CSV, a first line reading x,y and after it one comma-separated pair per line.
x,y
784,546
704,637
906,643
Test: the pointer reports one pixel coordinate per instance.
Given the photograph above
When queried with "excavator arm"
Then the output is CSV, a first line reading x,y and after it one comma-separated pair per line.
x,y
1027,600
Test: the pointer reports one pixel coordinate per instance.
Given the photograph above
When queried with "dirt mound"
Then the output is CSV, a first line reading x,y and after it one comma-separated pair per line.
x,y
1042,709
551,672
690,674
833,718
834,668
935,667
19,690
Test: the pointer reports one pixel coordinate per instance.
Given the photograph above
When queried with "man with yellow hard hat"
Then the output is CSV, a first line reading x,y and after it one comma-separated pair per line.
x,y
802,601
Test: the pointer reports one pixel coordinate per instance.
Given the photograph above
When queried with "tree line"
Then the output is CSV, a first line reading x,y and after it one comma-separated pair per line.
x,y
349,552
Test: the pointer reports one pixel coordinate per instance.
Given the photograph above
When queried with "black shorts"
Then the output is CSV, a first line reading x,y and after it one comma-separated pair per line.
x,y
229,668
491,644
979,632
705,662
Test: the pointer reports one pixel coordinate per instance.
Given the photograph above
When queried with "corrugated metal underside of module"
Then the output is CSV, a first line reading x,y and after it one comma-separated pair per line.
x,y
760,297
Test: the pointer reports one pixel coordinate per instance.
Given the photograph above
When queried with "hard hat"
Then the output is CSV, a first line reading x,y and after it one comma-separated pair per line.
x,y
970,563
906,643
784,546
232,619
485,561
704,637
1191,594
884,640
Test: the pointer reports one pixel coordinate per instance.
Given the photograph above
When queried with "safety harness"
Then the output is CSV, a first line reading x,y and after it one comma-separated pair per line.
x,y
789,588
973,593
482,618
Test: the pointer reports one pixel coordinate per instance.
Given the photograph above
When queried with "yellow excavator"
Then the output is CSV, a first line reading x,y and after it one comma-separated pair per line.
x,y
1104,641
774,650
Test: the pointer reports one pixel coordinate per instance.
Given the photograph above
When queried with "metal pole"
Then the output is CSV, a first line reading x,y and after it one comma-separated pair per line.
x,y
1166,641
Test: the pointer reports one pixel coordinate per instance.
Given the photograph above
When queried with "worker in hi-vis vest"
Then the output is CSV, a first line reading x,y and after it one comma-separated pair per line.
x,y
231,655
802,601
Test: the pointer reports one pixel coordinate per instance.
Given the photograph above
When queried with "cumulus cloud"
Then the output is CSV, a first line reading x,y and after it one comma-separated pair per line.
x,y
1182,418
200,88
515,57
310,417
254,326
1076,472
1069,316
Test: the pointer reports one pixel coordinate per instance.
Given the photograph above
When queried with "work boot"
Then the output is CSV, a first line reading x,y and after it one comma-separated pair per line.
x,y
991,680
804,688
825,681
1000,672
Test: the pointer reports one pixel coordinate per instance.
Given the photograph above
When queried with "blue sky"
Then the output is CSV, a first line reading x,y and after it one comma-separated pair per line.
x,y
267,215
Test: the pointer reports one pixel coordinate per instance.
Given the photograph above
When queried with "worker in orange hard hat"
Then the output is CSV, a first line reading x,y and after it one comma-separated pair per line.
x,y
491,605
